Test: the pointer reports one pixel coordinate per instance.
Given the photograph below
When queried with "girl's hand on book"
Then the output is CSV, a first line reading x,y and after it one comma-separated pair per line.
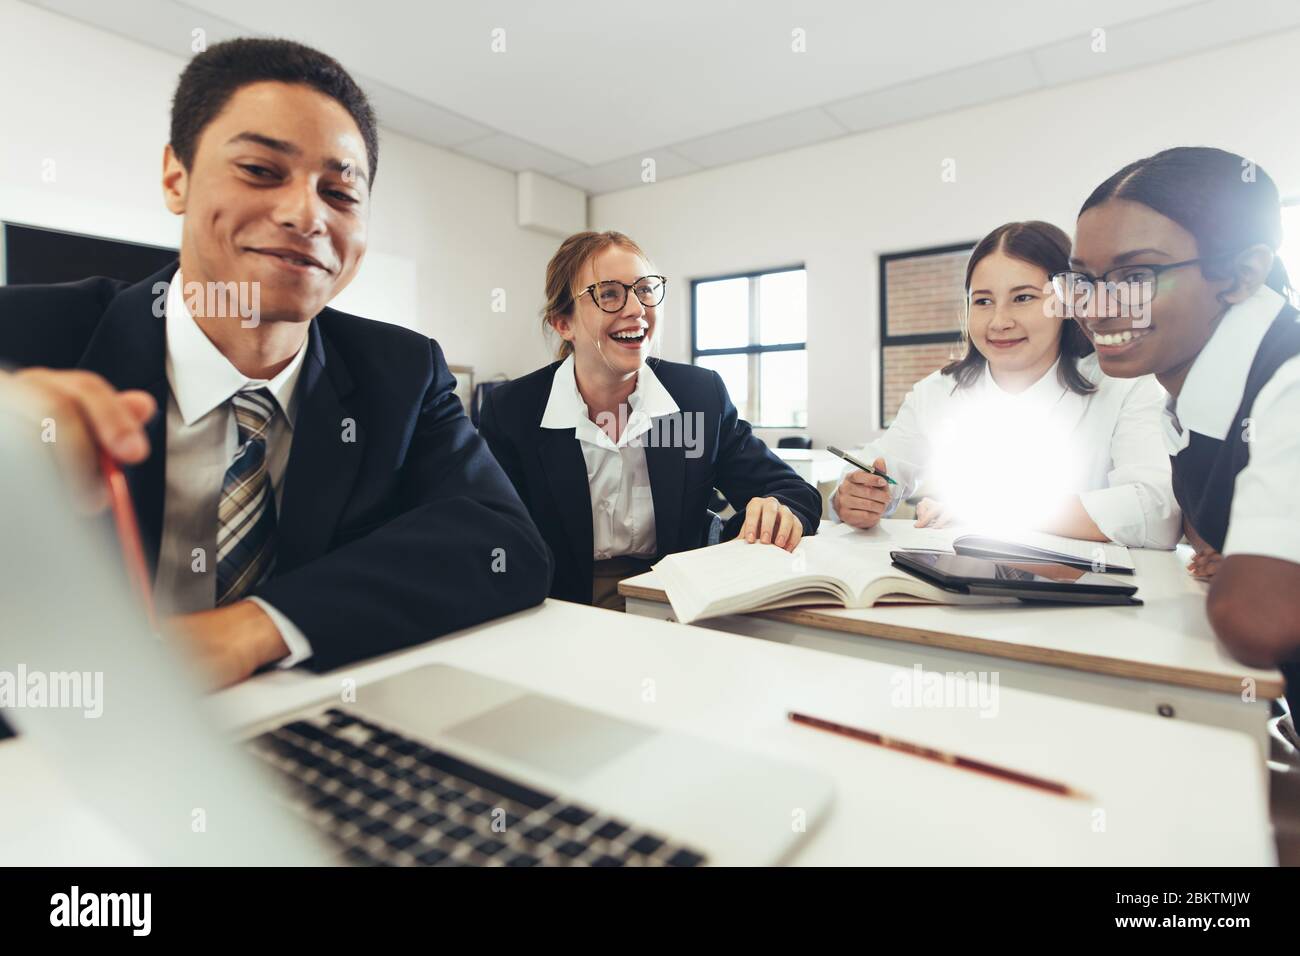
x,y
769,521
933,514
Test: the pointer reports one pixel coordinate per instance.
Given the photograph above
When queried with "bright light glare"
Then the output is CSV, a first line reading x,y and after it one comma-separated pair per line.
x,y
1004,465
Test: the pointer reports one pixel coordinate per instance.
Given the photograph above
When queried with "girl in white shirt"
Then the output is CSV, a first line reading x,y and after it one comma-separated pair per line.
x,y
1024,431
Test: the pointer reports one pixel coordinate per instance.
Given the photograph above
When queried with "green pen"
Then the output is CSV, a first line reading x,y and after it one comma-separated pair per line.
x,y
853,461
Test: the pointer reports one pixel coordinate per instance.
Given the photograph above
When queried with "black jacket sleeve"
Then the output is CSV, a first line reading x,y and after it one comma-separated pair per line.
x,y
49,325
502,448
462,552
746,468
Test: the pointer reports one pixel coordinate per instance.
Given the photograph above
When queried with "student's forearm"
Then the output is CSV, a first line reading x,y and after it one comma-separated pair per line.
x,y
442,566
1253,608
1073,521
1195,539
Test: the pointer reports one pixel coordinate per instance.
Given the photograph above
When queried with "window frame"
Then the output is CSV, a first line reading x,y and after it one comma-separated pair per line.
x,y
916,338
753,350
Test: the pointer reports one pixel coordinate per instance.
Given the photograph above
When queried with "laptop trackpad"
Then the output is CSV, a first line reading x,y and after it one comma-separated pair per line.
x,y
551,736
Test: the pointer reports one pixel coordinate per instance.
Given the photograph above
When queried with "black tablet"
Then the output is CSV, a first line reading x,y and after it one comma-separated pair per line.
x,y
1027,580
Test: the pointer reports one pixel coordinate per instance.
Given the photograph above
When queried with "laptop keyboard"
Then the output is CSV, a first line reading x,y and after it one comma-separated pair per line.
x,y
388,800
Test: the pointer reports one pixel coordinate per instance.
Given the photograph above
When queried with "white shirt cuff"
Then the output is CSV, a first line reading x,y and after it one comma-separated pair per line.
x,y
294,639
1122,514
1117,512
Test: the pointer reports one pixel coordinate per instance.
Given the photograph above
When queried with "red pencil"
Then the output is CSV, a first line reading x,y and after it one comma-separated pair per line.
x,y
939,756
128,532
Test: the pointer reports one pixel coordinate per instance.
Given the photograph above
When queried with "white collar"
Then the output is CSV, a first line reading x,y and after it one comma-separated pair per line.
x,y
202,378
1216,381
1047,388
566,409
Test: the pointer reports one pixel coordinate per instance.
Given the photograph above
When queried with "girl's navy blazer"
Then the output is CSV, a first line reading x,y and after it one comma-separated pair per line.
x,y
708,447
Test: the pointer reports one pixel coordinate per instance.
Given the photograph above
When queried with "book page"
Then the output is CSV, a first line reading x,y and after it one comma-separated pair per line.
x,y
708,579
903,535
862,557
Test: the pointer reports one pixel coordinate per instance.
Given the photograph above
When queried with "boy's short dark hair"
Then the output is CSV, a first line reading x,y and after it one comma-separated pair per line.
x,y
213,76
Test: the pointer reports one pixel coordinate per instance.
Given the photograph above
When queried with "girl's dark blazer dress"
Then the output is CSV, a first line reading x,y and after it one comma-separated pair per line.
x,y
550,474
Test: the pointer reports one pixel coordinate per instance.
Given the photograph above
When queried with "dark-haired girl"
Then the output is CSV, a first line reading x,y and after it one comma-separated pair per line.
x,y
1175,273
1024,432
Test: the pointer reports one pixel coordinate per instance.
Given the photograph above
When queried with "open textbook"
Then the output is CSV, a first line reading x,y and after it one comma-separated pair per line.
x,y
849,567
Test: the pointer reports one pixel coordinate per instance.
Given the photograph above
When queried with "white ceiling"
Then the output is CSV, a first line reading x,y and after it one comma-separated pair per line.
x,y
586,89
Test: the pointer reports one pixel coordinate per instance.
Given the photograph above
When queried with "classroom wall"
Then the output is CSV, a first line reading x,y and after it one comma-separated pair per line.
x,y
836,206
443,231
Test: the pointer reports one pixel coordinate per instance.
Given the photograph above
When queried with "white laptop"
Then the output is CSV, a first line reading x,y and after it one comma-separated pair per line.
x,y
434,766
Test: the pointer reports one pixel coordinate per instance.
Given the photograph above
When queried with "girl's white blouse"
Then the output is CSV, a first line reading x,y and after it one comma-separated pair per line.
x,y
999,458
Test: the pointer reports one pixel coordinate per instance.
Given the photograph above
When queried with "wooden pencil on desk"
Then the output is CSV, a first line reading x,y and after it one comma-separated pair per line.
x,y
939,756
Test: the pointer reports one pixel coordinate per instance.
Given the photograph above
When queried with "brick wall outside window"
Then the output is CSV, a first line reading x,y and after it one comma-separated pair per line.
x,y
905,365
921,303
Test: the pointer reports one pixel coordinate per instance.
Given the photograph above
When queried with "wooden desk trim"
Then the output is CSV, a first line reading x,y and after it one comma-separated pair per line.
x,y
1181,677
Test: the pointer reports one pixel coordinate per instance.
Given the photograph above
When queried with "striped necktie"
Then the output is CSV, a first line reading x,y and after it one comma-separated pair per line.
x,y
246,511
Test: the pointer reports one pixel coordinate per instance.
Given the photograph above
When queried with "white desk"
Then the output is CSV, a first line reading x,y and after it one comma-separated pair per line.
x,y
814,465
1162,792
1161,658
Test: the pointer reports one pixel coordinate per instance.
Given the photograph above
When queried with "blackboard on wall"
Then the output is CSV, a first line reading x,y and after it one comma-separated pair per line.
x,y
34,255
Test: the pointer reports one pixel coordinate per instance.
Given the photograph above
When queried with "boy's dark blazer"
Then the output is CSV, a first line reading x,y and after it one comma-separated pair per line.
x,y
404,533
548,469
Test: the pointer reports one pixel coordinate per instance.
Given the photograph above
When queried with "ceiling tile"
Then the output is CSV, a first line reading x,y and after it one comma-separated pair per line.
x,y
442,57
626,173
411,116
1172,34
760,139
517,154
937,94
525,68
162,24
